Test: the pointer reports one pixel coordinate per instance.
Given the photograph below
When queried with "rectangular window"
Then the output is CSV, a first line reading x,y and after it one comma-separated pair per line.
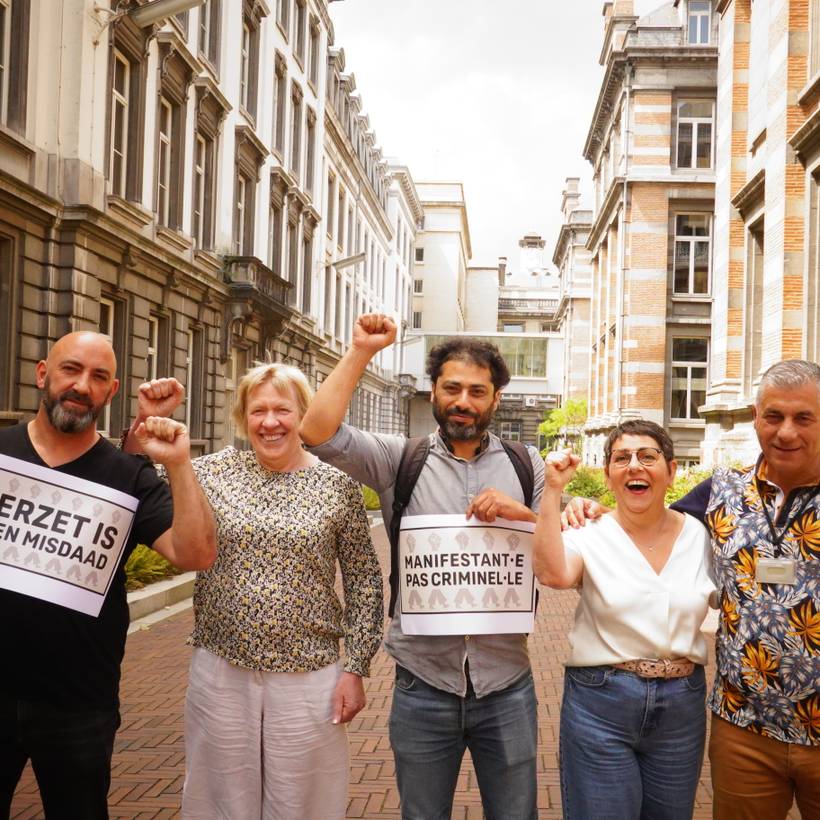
x,y
699,22
151,360
14,58
281,104
510,430
512,327
337,328
689,359
296,129
313,57
202,217
350,222
208,39
293,261
166,118
419,254
119,123
283,15
418,286
695,133
111,323
310,159
331,203
194,382
416,320
240,215
275,239
301,19
245,67
691,262
328,317
340,213
307,277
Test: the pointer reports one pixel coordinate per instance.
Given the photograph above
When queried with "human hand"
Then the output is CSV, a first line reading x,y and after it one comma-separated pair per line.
x,y
159,397
164,441
559,468
490,504
348,698
578,510
373,332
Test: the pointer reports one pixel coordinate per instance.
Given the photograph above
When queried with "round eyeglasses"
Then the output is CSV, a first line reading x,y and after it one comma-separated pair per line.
x,y
647,456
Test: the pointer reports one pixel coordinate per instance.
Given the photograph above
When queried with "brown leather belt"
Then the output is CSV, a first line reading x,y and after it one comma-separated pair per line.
x,y
677,668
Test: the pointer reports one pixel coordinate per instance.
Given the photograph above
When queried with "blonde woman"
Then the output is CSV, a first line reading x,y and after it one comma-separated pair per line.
x,y
268,696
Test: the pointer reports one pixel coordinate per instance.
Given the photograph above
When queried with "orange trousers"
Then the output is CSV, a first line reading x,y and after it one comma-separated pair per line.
x,y
757,778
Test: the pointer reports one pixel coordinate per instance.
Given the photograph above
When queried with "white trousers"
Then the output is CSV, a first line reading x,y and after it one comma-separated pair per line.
x,y
261,744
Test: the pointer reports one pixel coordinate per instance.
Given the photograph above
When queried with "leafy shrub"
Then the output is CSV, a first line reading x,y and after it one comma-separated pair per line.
x,y
371,498
590,482
685,480
144,566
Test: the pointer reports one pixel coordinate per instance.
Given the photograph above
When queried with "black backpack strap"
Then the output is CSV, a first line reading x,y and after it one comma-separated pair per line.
x,y
521,461
412,460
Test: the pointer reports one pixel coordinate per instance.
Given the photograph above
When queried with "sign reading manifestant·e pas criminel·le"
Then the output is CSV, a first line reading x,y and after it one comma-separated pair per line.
x,y
61,537
461,577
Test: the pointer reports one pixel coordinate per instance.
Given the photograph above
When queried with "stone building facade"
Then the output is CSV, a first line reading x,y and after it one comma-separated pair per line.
x,y
572,260
167,183
767,303
651,147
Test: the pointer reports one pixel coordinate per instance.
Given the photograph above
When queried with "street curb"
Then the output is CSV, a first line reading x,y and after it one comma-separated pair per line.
x,y
162,594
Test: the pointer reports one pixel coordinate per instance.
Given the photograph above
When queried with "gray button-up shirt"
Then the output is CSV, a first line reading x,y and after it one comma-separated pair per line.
x,y
445,486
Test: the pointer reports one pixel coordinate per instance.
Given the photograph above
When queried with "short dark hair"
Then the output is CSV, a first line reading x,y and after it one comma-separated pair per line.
x,y
475,351
640,427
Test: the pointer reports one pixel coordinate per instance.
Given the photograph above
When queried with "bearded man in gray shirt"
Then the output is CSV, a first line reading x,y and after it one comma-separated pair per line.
x,y
452,692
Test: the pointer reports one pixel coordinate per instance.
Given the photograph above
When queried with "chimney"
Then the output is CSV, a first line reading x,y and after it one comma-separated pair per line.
x,y
502,270
571,198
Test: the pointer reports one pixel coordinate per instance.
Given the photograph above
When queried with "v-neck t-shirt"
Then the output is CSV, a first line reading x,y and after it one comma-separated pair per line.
x,y
627,611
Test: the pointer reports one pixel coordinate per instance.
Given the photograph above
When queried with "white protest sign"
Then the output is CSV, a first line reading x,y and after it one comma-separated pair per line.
x,y
61,537
460,577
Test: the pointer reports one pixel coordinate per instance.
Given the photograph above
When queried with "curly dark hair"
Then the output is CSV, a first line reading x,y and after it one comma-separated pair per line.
x,y
474,351
640,427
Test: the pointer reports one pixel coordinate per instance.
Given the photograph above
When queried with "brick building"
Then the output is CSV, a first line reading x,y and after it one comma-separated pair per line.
x,y
651,148
767,303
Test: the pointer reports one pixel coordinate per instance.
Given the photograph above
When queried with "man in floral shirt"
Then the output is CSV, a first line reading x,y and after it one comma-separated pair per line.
x,y
765,527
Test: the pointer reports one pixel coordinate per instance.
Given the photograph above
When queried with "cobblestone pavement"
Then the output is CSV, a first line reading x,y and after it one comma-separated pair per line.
x,y
148,767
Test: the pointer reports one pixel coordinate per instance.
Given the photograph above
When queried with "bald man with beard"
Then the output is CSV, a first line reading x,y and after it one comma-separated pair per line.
x,y
59,691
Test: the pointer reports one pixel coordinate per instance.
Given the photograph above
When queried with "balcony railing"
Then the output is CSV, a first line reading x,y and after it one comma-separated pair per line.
x,y
539,306
249,277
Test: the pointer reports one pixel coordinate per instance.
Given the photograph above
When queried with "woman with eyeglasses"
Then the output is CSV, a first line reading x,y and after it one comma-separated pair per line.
x,y
633,718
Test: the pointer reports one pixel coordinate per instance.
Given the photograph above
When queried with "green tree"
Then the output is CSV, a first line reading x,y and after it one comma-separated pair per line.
x,y
564,423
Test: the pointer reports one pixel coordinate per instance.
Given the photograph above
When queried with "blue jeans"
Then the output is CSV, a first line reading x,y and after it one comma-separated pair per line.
x,y
70,752
429,731
631,747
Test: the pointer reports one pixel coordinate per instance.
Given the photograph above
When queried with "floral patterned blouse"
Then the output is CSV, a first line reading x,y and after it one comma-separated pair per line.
x,y
268,603
768,642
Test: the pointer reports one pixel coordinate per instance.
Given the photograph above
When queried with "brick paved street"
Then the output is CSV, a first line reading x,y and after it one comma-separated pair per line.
x,y
148,765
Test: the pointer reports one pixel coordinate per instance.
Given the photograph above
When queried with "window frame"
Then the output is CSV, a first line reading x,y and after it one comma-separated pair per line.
x,y
695,123
692,240
697,16
120,102
689,365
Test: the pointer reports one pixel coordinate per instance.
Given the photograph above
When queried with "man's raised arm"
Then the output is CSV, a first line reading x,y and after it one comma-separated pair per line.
x,y
371,333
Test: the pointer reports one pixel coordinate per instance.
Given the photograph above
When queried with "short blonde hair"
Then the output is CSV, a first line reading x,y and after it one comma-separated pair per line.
x,y
283,377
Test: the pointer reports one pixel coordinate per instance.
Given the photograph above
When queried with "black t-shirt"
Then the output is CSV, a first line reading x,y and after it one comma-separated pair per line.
x,y
56,654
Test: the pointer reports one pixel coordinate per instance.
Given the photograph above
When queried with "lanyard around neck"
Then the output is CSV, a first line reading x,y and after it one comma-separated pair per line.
x,y
777,539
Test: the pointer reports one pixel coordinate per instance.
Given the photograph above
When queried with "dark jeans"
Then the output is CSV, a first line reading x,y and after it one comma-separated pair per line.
x,y
430,730
70,751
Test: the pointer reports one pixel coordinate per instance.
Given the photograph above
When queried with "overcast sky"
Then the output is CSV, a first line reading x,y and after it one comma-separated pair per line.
x,y
499,101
